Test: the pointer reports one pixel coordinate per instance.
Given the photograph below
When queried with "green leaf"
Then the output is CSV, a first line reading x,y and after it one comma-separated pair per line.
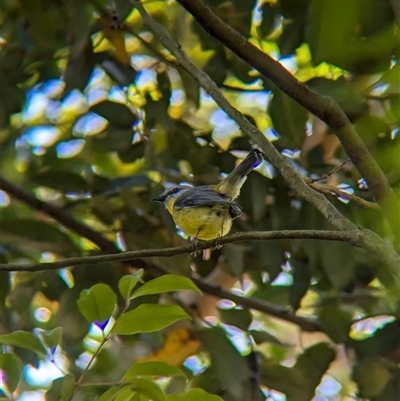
x,y
23,339
98,303
9,365
52,338
240,318
127,283
62,180
61,389
153,368
147,318
166,283
112,393
194,394
371,377
147,388
118,114
127,394
291,129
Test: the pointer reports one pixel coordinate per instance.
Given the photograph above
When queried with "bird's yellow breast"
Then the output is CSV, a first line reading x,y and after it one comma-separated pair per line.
x,y
203,222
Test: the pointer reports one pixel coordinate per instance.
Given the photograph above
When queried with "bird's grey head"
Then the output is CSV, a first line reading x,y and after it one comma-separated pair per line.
x,y
171,193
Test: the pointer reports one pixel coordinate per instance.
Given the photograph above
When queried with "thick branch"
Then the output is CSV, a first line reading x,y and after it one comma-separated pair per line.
x,y
352,237
323,107
258,305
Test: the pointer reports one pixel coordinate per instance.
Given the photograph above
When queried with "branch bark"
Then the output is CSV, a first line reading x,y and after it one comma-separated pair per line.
x,y
323,107
352,237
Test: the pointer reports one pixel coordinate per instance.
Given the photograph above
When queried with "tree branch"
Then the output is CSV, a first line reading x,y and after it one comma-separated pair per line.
x,y
352,237
258,305
64,218
323,107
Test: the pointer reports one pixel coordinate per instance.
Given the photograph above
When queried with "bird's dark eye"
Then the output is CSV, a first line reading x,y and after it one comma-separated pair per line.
x,y
175,190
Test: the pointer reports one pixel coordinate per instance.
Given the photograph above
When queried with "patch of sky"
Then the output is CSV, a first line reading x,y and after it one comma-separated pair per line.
x,y
42,135
90,124
68,149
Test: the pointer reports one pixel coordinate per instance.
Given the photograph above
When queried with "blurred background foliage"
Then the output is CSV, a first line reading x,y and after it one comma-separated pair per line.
x,y
96,118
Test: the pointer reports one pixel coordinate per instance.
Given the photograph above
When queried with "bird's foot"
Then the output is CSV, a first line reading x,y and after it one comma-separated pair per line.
x,y
217,244
195,251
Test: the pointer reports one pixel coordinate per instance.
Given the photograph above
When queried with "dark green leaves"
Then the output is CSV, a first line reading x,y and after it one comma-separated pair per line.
x,y
41,236
65,181
97,304
148,318
117,114
289,119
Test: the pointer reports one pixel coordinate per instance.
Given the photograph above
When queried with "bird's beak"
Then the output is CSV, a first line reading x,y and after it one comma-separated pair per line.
x,y
159,199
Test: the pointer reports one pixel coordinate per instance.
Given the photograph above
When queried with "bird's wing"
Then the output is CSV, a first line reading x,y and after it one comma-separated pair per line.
x,y
202,196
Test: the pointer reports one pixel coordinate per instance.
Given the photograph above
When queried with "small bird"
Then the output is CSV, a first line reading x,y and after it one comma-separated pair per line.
x,y
206,212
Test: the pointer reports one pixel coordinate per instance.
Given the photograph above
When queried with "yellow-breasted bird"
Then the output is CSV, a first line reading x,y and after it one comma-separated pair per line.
x,y
206,212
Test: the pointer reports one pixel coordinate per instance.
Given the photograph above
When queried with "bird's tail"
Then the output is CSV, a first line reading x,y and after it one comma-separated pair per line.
x,y
232,184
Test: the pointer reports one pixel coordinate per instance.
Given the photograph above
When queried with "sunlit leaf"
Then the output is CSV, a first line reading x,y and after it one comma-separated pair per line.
x,y
194,394
153,368
166,283
127,283
97,303
147,388
148,318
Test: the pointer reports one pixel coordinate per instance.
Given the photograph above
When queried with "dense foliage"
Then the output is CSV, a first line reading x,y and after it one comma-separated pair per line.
x,y
97,117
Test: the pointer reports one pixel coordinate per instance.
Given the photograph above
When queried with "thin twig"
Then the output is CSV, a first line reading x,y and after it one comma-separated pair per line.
x,y
259,305
351,237
331,189
99,348
333,171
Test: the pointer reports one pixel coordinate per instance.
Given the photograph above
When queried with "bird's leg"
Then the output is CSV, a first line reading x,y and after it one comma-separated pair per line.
x,y
195,241
217,244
